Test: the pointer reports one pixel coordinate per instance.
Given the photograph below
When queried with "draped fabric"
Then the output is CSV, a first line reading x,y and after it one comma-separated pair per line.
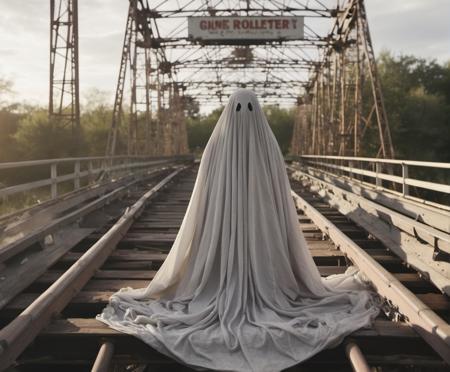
x,y
239,290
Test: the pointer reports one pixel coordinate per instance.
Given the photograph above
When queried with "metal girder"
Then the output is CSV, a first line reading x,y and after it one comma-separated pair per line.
x,y
176,65
338,115
325,73
64,94
148,133
117,108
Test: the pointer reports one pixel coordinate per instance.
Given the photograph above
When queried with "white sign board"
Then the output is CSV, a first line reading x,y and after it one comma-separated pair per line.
x,y
245,28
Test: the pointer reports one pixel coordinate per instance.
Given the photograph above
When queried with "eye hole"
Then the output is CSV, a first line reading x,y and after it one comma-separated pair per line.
x,y
238,107
250,107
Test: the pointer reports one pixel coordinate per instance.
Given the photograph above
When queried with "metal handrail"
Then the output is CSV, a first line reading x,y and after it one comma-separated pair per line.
x,y
382,170
430,164
30,163
93,166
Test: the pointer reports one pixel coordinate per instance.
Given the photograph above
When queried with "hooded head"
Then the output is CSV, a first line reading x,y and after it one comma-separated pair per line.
x,y
243,100
242,125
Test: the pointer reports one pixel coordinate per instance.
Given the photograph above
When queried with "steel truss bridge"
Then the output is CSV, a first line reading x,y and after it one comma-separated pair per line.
x,y
103,223
329,73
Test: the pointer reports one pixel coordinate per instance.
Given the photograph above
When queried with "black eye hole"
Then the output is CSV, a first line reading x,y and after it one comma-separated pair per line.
x,y
250,107
238,107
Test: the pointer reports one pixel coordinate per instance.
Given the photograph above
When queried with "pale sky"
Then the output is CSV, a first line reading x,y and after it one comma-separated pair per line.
x,y
418,27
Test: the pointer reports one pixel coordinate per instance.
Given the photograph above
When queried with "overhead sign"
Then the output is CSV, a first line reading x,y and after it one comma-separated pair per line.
x,y
245,28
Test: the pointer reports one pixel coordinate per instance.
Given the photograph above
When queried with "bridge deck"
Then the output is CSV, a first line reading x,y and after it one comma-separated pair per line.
x,y
72,340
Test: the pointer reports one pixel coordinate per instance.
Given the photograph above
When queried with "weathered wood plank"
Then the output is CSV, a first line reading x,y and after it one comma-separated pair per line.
x,y
123,255
95,328
435,301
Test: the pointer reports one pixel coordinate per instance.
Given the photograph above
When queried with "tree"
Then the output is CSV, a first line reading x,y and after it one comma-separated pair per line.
x,y
5,91
39,138
417,98
95,122
9,122
281,122
416,92
200,129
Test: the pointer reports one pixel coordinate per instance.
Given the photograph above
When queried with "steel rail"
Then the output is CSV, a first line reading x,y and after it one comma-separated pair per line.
x,y
356,357
10,287
83,329
18,334
104,357
432,328
13,248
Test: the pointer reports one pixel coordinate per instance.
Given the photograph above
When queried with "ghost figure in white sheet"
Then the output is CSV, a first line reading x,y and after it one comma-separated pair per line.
x,y
239,290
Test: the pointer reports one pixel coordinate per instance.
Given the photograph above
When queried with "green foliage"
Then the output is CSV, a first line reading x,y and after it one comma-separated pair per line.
x,y
417,99
5,90
39,138
95,124
416,92
9,123
280,120
200,128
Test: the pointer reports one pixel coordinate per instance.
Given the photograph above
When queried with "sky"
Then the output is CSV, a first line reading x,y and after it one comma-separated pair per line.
x,y
418,27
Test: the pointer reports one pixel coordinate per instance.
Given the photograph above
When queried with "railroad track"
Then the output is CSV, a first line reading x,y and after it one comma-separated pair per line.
x,y
416,313
50,325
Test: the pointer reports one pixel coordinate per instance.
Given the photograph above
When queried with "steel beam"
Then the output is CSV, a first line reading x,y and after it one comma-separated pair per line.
x,y
18,334
422,319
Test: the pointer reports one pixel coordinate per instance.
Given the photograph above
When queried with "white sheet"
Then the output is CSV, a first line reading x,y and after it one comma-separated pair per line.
x,y
239,290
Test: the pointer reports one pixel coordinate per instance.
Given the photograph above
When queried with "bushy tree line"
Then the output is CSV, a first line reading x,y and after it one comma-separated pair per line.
x,y
280,120
417,99
416,91
27,133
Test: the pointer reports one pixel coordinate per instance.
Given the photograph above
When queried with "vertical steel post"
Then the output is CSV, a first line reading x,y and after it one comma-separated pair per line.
x,y
405,175
64,94
76,180
76,75
120,87
378,170
54,179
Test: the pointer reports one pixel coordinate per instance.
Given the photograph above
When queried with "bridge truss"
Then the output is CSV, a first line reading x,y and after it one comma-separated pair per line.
x,y
64,97
344,100
329,73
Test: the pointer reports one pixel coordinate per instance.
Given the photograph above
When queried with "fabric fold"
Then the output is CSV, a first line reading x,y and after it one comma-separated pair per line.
x,y
239,289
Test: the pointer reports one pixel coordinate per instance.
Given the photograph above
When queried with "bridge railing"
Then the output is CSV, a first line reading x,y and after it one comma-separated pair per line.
x,y
74,173
398,176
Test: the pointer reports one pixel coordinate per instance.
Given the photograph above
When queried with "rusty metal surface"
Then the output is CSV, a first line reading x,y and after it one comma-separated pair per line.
x,y
75,339
30,245
322,73
431,327
356,357
424,247
103,361
21,331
